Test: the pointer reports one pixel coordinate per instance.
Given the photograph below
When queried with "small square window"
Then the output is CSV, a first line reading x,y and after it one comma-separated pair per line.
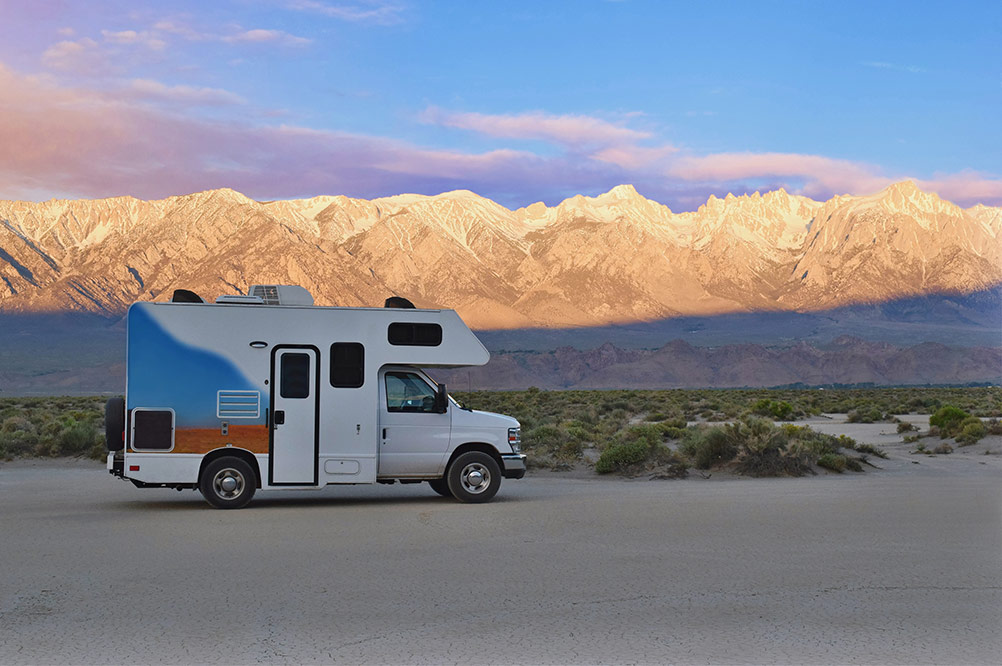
x,y
347,365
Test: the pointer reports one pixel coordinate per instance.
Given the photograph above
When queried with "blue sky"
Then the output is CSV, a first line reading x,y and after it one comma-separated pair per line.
x,y
517,101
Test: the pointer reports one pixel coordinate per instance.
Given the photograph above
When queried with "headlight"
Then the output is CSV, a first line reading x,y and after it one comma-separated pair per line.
x,y
515,439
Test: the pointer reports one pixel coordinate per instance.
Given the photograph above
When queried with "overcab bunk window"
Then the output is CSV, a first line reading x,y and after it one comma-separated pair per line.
x,y
347,365
418,335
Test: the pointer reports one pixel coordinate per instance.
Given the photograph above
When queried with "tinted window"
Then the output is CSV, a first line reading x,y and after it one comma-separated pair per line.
x,y
421,335
347,363
295,376
152,430
407,392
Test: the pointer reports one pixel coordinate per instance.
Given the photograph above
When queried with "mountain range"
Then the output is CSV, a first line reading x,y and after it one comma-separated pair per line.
x,y
588,261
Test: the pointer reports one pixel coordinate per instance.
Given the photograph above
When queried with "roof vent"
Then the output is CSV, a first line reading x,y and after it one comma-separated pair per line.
x,y
281,294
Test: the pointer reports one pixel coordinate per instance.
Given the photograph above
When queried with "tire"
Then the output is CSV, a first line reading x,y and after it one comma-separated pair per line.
x,y
114,424
228,483
474,477
440,486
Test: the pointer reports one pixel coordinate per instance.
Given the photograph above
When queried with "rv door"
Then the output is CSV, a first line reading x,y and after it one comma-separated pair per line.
x,y
295,400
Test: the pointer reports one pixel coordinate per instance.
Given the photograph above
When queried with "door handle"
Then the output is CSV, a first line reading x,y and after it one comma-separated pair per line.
x,y
384,433
279,417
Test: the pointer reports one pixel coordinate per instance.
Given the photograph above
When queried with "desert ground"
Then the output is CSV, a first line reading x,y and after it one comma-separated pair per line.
x,y
896,565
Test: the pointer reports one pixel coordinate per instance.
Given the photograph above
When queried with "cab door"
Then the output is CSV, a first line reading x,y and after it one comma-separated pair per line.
x,y
414,437
295,416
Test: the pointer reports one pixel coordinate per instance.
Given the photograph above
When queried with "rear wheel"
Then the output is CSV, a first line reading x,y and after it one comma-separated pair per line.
x,y
440,486
228,483
474,477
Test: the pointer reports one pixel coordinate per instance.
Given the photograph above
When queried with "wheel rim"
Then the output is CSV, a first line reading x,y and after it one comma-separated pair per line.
x,y
476,478
228,483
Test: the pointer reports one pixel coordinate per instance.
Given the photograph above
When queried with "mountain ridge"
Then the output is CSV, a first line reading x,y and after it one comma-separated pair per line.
x,y
588,261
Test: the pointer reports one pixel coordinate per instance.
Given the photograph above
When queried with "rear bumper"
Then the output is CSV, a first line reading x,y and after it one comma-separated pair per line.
x,y
116,463
514,465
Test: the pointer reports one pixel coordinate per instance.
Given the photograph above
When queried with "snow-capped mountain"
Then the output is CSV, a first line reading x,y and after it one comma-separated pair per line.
x,y
612,258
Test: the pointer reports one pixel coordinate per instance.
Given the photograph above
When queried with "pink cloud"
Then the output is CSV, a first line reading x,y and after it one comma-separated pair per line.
x,y
180,94
820,177
570,130
81,142
362,11
818,172
131,37
81,56
262,36
142,139
966,188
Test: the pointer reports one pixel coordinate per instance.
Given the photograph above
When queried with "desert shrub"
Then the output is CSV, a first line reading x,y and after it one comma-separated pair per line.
x,y
674,422
948,419
908,439
943,449
994,427
833,461
777,409
551,446
865,415
641,449
620,455
873,450
672,432
971,430
905,427
707,447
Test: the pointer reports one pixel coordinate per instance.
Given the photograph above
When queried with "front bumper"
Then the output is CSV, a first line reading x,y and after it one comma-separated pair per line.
x,y
514,465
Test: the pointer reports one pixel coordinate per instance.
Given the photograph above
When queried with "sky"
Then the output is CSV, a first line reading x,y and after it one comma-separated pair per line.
x,y
516,101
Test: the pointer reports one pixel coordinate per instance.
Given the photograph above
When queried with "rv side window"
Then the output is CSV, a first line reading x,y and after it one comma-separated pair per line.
x,y
295,376
420,335
152,429
407,392
347,364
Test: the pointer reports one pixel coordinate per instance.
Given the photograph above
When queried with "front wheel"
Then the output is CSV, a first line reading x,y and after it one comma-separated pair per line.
x,y
474,477
228,483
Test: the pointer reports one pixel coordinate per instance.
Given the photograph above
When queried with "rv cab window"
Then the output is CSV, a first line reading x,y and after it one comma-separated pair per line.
x,y
408,392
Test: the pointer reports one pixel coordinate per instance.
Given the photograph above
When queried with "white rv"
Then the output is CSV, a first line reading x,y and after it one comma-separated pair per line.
x,y
269,391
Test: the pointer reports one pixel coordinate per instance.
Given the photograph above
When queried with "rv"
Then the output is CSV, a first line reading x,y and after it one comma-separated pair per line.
x,y
268,391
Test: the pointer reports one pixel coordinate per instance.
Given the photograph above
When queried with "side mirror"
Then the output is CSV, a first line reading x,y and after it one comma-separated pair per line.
x,y
441,400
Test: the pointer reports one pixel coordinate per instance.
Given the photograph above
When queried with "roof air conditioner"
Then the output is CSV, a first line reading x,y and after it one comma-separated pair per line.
x,y
281,294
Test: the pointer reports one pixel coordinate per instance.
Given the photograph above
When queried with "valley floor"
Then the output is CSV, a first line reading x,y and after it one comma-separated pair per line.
x,y
901,565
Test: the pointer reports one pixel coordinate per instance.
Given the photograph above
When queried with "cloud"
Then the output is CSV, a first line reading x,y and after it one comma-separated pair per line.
x,y
79,142
131,37
568,130
822,177
890,65
967,186
144,139
363,11
262,36
82,56
147,89
817,173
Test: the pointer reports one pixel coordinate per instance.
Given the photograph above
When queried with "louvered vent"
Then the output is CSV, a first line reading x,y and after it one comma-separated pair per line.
x,y
267,293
